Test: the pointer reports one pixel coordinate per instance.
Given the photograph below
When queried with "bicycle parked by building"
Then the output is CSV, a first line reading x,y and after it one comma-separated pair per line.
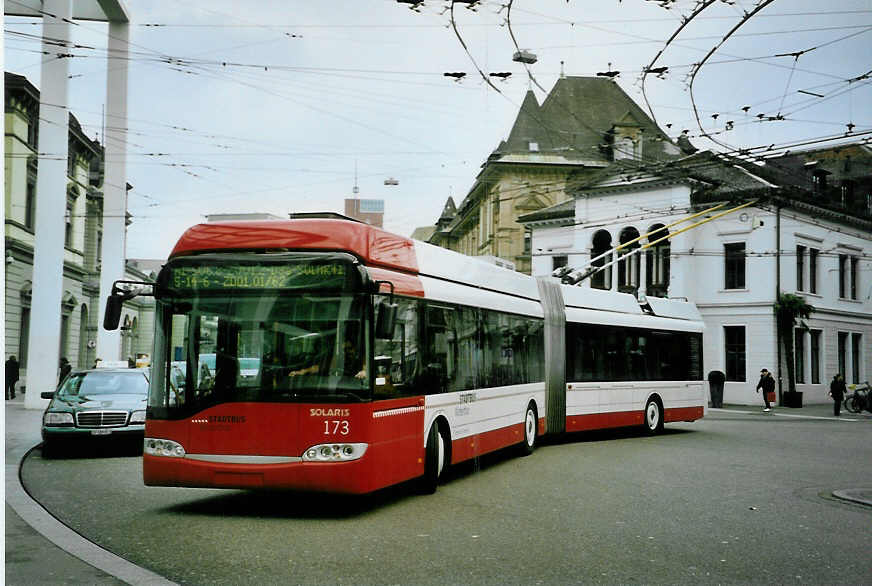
x,y
859,399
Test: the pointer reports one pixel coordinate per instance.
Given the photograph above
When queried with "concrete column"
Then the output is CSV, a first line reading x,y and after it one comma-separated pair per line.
x,y
43,345
114,249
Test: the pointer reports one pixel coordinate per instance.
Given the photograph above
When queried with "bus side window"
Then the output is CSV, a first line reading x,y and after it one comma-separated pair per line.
x,y
396,358
440,358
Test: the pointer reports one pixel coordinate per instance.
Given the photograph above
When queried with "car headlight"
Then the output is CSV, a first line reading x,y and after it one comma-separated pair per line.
x,y
163,447
137,417
54,419
334,452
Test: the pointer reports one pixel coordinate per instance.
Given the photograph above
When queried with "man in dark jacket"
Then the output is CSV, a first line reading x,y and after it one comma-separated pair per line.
x,y
837,392
11,376
767,383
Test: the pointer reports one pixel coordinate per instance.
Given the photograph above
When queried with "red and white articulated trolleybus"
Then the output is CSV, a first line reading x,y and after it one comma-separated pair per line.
x,y
325,354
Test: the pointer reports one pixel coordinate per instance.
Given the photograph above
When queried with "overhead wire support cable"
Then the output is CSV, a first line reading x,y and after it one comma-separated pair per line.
x,y
684,22
748,15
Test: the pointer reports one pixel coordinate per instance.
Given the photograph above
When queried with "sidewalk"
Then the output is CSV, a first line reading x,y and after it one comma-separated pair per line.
x,y
817,411
39,548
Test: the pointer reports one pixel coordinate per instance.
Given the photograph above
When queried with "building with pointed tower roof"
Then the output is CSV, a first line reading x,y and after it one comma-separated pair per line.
x,y
584,125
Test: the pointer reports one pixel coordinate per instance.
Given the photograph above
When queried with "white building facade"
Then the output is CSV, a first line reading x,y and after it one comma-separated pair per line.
x,y
732,267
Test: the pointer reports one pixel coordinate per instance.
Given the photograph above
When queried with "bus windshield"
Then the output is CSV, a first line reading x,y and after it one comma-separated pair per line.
x,y
258,345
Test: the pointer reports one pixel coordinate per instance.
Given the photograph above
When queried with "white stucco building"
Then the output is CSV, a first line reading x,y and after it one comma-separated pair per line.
x,y
798,236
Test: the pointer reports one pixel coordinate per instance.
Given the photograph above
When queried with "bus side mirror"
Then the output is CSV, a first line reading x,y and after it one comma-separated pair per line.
x,y
112,315
385,320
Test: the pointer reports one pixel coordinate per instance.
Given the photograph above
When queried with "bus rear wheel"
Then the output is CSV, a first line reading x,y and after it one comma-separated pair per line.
x,y
653,416
530,424
434,459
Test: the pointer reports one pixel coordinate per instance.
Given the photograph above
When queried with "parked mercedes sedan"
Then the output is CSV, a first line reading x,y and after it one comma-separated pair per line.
x,y
101,404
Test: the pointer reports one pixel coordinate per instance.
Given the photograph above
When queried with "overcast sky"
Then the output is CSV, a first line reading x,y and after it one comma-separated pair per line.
x,y
236,109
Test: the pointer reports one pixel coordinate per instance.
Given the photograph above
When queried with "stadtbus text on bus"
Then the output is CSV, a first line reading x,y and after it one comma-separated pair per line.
x,y
324,354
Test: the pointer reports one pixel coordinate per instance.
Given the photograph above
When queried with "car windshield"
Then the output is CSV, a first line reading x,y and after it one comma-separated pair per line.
x,y
105,383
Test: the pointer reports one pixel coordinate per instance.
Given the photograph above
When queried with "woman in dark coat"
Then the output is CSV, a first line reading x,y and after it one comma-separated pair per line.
x,y
837,392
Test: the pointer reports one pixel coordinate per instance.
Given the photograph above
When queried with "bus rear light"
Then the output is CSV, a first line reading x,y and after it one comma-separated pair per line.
x,y
162,447
334,452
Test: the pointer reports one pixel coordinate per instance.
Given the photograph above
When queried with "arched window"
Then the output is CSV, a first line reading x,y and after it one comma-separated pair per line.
x,y
657,262
628,268
602,242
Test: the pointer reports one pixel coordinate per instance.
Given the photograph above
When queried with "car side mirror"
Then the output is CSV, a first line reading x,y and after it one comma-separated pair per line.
x,y
47,394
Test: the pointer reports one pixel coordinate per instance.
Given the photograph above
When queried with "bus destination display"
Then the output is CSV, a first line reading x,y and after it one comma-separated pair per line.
x,y
248,276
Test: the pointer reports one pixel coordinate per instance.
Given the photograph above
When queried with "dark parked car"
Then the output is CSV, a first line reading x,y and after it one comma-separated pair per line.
x,y
105,404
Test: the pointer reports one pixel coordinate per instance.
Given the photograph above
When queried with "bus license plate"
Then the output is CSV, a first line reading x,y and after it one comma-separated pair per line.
x,y
101,431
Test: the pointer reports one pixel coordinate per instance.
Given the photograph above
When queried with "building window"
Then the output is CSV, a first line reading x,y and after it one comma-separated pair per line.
x,y
30,205
559,261
734,265
528,239
847,276
32,131
843,353
815,357
734,352
819,180
853,276
799,354
602,243
812,269
855,357
847,193
68,225
800,268
657,263
628,266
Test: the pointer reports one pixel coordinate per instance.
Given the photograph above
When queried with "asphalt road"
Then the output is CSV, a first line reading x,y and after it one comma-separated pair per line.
x,y
734,498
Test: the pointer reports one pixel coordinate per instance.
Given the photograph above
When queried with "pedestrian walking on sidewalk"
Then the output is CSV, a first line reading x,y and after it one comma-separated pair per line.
x,y
11,376
767,383
837,392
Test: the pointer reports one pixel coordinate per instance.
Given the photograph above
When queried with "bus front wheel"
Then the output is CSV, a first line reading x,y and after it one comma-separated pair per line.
x,y
653,416
434,462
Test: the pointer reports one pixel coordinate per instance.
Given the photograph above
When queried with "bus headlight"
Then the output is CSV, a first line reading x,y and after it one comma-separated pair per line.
x,y
137,417
334,452
162,447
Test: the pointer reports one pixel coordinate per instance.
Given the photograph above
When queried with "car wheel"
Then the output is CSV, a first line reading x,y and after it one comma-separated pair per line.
x,y
653,416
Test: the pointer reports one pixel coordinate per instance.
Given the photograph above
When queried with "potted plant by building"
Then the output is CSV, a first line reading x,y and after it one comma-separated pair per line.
x,y
788,309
